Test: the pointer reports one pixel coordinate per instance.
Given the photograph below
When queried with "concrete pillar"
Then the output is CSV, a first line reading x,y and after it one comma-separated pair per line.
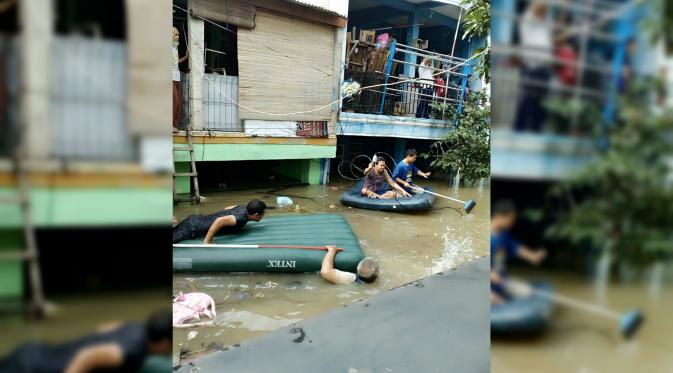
x,y
149,85
36,21
195,42
400,148
501,25
339,63
412,33
345,146
324,170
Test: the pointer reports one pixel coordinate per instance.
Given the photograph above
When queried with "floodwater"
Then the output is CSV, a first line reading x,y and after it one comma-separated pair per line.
x,y
73,316
579,342
407,247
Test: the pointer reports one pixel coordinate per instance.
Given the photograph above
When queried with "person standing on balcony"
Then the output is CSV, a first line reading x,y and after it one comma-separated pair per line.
x,y
177,95
535,32
426,77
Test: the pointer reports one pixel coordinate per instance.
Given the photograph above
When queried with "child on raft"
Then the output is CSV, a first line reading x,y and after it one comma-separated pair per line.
x,y
367,270
406,170
504,247
376,176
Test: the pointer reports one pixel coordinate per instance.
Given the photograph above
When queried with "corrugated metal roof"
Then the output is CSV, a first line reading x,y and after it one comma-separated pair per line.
x,y
339,7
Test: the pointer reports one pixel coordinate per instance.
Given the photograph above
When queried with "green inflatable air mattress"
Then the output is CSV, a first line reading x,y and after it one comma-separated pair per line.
x,y
294,230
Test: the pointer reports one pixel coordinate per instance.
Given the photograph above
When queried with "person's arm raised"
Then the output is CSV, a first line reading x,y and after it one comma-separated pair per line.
x,y
103,356
533,257
327,270
219,223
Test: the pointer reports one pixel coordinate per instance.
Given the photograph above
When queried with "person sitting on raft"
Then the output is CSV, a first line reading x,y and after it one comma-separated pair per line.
x,y
504,247
367,270
375,176
405,170
230,220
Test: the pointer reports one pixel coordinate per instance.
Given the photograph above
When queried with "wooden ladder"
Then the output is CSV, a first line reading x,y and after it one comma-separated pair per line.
x,y
29,254
195,196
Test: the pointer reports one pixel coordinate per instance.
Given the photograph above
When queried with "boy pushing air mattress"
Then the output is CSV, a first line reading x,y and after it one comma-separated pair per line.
x,y
230,220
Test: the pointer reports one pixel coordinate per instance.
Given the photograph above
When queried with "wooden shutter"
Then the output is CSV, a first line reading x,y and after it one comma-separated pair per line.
x,y
226,11
286,65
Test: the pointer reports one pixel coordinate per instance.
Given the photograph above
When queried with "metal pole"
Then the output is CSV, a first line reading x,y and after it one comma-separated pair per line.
x,y
453,48
389,65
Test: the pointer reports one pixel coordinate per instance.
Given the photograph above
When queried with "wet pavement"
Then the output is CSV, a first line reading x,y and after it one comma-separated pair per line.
x,y
431,325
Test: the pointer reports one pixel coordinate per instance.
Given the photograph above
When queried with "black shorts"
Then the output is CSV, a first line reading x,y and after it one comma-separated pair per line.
x,y
33,357
185,230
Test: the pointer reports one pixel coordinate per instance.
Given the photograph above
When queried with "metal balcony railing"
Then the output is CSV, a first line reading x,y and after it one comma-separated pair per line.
x,y
568,80
397,93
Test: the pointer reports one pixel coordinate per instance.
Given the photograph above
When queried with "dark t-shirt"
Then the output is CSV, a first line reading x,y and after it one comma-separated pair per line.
x,y
503,248
202,223
44,358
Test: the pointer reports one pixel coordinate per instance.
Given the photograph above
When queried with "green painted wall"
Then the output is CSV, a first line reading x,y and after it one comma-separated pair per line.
x,y
314,173
182,184
91,207
304,170
11,279
255,152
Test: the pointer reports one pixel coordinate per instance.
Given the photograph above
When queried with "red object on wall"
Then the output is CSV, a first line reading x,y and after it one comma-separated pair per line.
x,y
312,129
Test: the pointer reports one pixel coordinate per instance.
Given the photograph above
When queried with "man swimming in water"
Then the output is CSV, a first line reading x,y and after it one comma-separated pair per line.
x,y
376,176
405,170
367,270
504,247
230,220
114,348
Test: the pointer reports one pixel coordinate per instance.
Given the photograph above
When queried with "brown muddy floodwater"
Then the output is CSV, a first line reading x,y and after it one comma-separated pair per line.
x,y
407,247
73,316
578,342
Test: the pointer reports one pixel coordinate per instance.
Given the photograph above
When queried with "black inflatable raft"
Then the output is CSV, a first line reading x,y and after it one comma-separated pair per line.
x,y
419,201
524,315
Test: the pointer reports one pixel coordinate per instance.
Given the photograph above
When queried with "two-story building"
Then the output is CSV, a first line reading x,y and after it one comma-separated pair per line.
x,y
260,88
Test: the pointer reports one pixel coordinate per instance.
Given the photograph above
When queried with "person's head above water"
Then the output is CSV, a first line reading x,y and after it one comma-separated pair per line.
x,y
503,214
368,270
410,155
159,329
255,209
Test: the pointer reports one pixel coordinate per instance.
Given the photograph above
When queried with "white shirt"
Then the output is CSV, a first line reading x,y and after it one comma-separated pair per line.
x,y
176,69
344,278
535,35
425,74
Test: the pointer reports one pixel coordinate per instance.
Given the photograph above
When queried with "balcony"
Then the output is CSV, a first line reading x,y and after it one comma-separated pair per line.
x,y
553,95
393,103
